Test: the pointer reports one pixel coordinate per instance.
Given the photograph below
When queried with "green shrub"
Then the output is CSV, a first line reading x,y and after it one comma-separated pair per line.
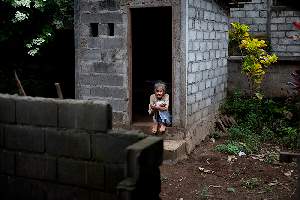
x,y
232,148
272,120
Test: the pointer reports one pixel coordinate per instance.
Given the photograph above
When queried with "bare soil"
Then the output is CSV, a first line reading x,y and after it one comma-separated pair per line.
x,y
208,174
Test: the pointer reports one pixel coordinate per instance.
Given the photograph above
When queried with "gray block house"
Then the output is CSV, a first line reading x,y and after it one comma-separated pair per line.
x,y
124,46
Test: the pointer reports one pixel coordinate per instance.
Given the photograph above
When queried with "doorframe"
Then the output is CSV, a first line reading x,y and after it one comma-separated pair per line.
x,y
129,47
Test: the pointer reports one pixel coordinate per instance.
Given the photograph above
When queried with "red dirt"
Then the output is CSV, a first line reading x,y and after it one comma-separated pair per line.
x,y
184,180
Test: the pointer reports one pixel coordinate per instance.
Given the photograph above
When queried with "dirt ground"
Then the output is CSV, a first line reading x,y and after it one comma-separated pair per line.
x,y
208,174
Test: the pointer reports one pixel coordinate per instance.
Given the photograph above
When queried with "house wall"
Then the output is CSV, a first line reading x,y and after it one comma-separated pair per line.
x,y
103,63
281,28
207,67
276,79
253,13
65,149
272,22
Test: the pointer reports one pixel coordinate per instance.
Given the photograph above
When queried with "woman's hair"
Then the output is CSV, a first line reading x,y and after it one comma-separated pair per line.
x,y
161,85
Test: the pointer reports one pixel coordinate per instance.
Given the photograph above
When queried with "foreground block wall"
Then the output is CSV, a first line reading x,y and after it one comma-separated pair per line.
x,y
65,149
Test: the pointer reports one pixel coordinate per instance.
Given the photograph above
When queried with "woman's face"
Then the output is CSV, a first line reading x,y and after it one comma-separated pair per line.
x,y
159,92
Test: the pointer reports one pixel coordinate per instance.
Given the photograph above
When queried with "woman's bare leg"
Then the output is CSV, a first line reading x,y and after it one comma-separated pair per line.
x,y
162,128
154,128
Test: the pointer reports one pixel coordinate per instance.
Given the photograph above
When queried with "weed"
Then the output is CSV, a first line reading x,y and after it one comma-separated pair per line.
x,y
229,148
216,135
251,183
230,189
272,157
204,193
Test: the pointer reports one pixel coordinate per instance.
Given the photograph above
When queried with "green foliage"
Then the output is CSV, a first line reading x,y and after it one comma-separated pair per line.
x,y
259,121
230,189
204,193
251,183
33,23
216,135
272,157
230,147
255,60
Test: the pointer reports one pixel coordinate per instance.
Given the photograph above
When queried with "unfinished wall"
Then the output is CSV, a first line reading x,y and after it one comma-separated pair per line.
x,y
276,79
101,54
65,149
271,22
103,63
207,67
253,13
281,29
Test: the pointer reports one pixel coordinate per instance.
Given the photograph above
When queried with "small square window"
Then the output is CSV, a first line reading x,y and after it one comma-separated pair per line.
x,y
111,29
94,31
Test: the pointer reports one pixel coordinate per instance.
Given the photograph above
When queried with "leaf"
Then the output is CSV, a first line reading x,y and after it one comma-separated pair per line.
x,y
259,95
230,189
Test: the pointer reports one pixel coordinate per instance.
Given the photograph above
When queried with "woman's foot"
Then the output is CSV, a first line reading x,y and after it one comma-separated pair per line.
x,y
154,129
162,128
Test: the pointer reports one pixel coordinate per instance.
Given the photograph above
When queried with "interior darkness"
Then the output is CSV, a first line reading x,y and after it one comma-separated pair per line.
x,y
151,56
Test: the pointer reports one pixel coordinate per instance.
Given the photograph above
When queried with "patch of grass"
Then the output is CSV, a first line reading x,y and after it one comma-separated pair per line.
x,y
216,135
230,189
204,193
231,148
271,157
251,183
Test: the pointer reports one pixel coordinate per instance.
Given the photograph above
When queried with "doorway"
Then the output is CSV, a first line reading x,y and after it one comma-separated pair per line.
x,y
151,36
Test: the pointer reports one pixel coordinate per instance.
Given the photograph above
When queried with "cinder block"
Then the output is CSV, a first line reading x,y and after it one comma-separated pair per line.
x,y
112,43
71,172
147,152
95,175
60,192
36,166
111,147
69,143
109,17
174,150
114,173
21,188
113,92
101,79
96,195
1,135
24,138
36,111
88,115
3,186
7,162
7,109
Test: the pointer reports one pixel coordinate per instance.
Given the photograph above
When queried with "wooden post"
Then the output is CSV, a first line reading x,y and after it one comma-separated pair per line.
x,y
58,90
21,90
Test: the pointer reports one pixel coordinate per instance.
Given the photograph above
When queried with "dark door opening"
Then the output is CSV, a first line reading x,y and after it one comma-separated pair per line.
x,y
151,56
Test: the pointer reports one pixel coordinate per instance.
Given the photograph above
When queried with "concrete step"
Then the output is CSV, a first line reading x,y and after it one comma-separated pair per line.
x,y
174,150
172,133
174,144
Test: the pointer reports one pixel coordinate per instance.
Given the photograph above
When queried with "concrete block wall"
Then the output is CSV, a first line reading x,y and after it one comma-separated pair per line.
x,y
101,54
253,13
65,149
278,28
276,79
207,67
281,29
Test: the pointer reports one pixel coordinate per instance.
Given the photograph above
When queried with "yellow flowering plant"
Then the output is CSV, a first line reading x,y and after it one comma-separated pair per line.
x,y
255,58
